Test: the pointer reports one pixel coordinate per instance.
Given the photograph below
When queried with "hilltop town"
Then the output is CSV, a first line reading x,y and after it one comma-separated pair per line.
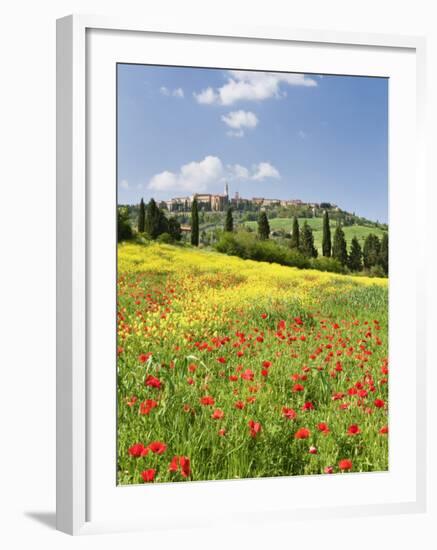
x,y
219,202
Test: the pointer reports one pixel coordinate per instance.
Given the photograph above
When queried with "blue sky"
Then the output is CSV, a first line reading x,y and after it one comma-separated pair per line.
x,y
276,135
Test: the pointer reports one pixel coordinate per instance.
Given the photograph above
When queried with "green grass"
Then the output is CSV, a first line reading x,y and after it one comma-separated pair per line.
x,y
358,231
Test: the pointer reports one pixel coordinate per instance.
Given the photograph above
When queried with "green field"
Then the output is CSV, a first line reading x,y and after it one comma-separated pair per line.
x,y
359,231
231,368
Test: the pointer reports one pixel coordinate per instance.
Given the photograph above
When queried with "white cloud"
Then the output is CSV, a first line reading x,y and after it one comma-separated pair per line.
x,y
235,133
177,92
199,176
192,177
238,172
265,170
259,172
252,86
238,120
302,134
124,184
206,96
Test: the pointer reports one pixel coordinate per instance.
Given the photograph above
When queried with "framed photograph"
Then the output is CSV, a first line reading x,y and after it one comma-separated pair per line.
x,y
240,286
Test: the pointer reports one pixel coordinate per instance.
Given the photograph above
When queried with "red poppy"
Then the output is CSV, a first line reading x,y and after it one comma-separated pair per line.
x,y
267,364
289,413
337,396
247,375
138,449
222,432
221,360
207,400
302,433
239,405
308,406
132,401
147,406
180,464
152,382
255,428
157,447
379,403
144,357
323,427
148,475
345,464
328,470
298,321
281,325
264,315
217,414
312,450
353,429
384,430
298,387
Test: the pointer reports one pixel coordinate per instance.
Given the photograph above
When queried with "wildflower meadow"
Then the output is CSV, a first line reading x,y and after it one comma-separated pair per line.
x,y
231,368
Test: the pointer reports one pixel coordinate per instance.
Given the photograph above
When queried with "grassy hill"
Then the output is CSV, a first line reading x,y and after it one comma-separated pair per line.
x,y
359,231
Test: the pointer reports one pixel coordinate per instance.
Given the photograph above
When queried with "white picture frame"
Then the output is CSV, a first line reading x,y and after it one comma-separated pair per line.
x,y
74,460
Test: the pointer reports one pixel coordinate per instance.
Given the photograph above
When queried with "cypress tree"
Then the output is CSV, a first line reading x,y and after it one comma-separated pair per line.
x,y
383,253
152,220
355,255
295,235
229,221
194,223
124,229
339,247
371,251
307,242
174,229
263,226
326,244
142,217
163,226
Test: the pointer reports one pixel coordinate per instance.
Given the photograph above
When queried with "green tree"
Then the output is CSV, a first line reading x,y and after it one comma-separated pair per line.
x,y
194,223
339,247
151,225
295,234
383,253
142,217
162,222
263,226
371,251
156,222
174,229
229,221
307,242
354,261
326,243
124,229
